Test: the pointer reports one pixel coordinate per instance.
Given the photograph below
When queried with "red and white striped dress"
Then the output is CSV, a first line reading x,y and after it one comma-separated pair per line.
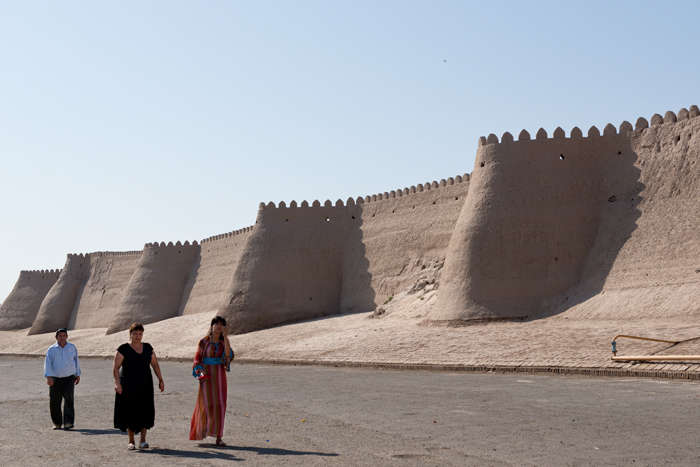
x,y
210,410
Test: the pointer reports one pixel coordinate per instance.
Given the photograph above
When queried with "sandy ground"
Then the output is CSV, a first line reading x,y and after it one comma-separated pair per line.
x,y
403,341
312,416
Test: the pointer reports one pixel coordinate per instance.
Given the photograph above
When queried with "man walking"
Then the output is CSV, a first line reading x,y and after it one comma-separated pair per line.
x,y
62,372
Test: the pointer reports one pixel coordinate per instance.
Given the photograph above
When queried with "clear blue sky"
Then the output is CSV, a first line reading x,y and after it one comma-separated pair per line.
x,y
129,122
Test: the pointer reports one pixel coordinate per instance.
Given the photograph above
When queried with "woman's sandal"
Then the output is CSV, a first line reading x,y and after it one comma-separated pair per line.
x,y
131,447
220,442
143,445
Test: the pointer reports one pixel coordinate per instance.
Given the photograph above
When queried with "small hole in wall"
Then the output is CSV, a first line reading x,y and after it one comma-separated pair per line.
x,y
286,220
456,198
556,259
372,215
433,202
353,217
619,152
311,299
178,252
413,207
393,211
561,157
482,164
328,219
678,138
156,253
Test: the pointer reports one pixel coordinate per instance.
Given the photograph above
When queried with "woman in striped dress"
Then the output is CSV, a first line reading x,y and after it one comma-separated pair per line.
x,y
211,362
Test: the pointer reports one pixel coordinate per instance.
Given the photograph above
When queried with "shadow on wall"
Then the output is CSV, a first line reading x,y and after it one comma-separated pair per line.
x,y
620,195
300,263
357,294
541,216
194,274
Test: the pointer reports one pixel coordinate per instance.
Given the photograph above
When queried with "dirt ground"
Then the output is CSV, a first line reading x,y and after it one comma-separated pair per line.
x,y
302,415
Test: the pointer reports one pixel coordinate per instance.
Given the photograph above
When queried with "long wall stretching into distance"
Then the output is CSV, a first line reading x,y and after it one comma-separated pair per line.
x,y
295,263
597,226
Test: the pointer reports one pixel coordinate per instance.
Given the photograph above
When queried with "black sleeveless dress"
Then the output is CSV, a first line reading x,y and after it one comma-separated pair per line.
x,y
134,408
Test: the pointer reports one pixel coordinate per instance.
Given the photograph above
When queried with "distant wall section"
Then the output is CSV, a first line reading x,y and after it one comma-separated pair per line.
x,y
56,309
155,289
306,261
102,288
291,268
408,230
209,284
20,308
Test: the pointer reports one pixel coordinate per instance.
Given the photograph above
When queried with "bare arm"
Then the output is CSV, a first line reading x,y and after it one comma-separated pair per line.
x,y
227,349
156,368
118,360
198,360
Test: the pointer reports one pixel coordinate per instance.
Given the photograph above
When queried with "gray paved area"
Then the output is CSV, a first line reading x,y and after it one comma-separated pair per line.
x,y
303,415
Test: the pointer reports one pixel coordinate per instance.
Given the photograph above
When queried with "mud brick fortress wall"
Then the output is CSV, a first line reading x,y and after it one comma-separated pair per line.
x,y
601,226
22,305
304,261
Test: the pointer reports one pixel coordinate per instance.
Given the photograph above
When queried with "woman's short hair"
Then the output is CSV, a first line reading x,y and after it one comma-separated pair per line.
x,y
136,327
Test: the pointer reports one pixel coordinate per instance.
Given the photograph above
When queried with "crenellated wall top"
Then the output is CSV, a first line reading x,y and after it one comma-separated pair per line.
x,y
227,235
42,271
114,253
377,197
594,132
170,244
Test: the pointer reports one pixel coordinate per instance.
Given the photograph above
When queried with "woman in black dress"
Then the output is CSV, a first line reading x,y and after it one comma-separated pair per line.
x,y
134,410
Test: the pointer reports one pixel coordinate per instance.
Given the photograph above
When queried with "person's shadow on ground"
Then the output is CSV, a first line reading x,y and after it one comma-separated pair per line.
x,y
189,454
269,451
88,431
222,454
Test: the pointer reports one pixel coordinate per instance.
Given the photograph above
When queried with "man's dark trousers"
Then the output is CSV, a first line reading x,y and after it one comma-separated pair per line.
x,y
63,388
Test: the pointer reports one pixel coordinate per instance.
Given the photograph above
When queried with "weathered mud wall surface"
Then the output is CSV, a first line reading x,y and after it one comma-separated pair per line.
x,y
600,226
528,224
156,288
57,307
102,290
20,308
209,284
646,260
291,268
407,233
303,262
